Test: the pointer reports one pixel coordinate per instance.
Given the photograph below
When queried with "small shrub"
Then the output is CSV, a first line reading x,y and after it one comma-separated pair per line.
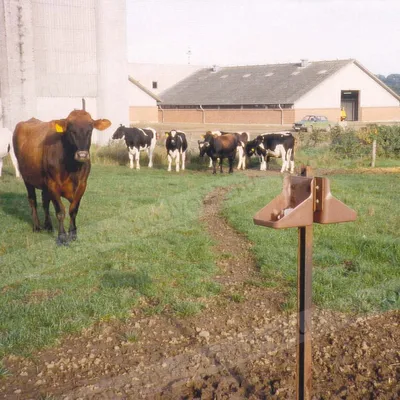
x,y
347,144
388,141
237,298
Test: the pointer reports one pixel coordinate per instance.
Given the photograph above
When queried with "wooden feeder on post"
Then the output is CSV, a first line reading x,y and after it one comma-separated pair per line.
x,y
303,201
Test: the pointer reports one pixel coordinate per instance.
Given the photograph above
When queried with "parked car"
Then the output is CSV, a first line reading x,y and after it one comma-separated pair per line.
x,y
310,122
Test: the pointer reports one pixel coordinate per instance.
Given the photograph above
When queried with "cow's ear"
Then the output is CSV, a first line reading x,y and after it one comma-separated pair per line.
x,y
60,125
101,124
166,134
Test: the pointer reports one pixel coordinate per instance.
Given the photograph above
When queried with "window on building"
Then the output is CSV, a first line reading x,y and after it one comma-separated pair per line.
x,y
155,84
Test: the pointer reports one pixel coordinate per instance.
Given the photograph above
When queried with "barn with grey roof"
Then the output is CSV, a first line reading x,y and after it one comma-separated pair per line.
x,y
279,94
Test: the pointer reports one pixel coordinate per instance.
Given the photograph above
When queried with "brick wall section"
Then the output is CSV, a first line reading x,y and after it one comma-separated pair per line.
x,y
374,114
143,114
227,116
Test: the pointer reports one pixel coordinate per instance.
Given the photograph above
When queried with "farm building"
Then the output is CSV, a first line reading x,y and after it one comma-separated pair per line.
x,y
280,94
147,82
54,53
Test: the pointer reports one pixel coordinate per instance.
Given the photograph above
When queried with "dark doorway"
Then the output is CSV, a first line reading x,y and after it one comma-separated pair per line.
x,y
349,100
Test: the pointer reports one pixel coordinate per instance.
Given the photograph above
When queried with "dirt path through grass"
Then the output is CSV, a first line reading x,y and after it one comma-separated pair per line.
x,y
240,346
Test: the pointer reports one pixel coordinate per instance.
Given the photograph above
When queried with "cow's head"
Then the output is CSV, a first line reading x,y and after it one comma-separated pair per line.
x,y
77,131
171,137
251,146
119,133
203,146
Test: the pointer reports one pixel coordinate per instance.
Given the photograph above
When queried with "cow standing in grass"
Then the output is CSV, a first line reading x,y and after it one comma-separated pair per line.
x,y
176,145
6,146
221,147
279,145
243,138
54,157
137,140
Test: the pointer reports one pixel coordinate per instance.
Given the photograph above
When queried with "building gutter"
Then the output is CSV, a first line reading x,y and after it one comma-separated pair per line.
x,y
281,113
162,113
203,118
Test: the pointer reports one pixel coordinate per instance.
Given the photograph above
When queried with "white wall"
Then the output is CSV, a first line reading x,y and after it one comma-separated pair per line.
x,y
350,77
138,97
166,75
112,65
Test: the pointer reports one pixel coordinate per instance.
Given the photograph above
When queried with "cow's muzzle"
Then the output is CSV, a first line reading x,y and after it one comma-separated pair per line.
x,y
82,156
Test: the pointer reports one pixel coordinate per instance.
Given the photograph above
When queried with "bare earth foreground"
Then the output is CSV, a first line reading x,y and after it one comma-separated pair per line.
x,y
241,346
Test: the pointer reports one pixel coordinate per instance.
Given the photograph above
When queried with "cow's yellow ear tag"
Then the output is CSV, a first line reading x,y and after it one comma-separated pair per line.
x,y
166,134
202,136
59,128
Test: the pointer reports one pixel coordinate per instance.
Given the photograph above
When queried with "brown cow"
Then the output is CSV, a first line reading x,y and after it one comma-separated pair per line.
x,y
219,147
54,157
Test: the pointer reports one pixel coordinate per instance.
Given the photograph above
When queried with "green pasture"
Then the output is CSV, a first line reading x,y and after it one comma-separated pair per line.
x,y
139,236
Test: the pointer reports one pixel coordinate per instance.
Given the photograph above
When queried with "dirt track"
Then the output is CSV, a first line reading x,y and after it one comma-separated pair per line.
x,y
240,346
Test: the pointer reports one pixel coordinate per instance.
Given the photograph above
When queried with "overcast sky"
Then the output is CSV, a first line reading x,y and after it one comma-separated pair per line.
x,y
241,32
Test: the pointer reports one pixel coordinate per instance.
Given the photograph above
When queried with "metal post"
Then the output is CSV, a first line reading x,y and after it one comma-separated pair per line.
x,y
304,303
304,294
373,154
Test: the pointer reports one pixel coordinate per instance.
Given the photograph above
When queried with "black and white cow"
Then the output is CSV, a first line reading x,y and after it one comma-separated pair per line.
x,y
279,144
176,145
6,146
137,140
223,146
243,138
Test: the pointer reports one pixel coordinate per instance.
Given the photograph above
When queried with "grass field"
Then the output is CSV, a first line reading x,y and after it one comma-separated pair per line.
x,y
356,266
139,236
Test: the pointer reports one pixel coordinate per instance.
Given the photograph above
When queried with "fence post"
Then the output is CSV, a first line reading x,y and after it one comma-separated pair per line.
x,y
373,153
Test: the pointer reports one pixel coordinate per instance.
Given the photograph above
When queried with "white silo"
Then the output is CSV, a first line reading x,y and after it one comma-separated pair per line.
x,y
17,67
53,54
112,66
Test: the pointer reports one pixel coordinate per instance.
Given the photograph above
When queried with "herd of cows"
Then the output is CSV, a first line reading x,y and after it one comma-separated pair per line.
x,y
54,157
217,145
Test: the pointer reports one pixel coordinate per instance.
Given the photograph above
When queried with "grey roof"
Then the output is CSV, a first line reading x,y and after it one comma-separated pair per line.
x,y
251,84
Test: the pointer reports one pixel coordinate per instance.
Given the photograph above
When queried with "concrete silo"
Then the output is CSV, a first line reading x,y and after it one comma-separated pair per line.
x,y
54,53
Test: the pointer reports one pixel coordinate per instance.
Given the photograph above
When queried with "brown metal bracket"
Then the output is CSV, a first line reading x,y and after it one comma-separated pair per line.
x,y
303,201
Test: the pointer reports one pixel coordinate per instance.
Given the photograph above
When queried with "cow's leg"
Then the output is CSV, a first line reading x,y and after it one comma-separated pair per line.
x,y
284,161
183,160
211,163
150,152
1,164
73,210
55,197
177,161
268,158
220,165
137,156
33,204
231,160
241,160
169,161
46,205
130,159
214,162
263,165
290,160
